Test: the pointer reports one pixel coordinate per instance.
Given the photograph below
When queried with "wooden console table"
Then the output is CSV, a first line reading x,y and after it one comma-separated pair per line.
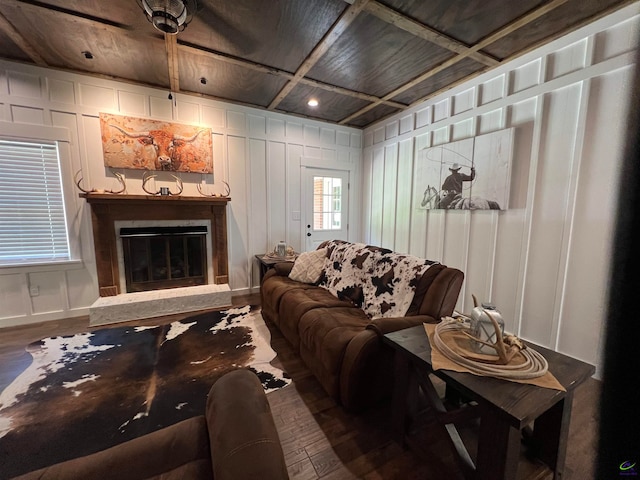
x,y
504,408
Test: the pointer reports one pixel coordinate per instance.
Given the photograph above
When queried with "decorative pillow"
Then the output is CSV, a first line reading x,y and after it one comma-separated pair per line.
x,y
308,266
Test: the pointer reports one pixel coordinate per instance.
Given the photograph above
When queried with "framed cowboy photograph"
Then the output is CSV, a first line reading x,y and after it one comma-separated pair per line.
x,y
469,174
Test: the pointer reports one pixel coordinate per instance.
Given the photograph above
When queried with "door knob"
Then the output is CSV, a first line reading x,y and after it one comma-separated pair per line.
x,y
308,234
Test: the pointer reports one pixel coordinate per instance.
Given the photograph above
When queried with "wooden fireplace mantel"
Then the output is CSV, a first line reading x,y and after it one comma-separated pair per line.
x,y
107,208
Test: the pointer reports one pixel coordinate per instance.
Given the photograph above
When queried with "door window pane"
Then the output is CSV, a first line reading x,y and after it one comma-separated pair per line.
x,y
327,203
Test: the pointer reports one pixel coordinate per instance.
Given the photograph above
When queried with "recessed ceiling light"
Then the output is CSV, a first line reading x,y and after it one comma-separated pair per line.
x,y
313,102
87,54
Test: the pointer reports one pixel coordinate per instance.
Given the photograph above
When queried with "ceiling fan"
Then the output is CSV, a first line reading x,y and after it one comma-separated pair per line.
x,y
169,16
173,16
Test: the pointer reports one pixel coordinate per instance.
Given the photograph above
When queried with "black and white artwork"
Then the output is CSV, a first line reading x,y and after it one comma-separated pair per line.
x,y
469,174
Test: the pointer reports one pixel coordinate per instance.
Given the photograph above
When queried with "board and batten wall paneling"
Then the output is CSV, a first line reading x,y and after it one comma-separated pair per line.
x,y
593,222
559,122
259,202
389,195
278,193
293,208
403,195
257,152
545,261
239,213
367,193
377,197
418,226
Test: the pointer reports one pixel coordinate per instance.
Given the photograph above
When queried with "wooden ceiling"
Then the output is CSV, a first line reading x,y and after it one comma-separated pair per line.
x,y
361,59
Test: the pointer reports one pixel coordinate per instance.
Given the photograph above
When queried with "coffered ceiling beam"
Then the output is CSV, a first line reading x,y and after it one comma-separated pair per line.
x,y
338,28
258,67
495,36
171,43
420,30
351,93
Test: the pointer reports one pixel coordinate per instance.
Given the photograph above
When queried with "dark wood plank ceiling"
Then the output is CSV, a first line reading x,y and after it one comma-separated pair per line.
x,y
361,59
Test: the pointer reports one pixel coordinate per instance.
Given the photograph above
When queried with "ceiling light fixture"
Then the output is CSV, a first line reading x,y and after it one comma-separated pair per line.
x,y
312,102
169,16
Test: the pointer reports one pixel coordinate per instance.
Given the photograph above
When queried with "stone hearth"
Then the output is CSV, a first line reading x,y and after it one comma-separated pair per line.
x,y
140,305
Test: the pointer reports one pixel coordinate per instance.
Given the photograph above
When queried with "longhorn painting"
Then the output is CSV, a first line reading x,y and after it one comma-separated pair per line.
x,y
470,174
139,143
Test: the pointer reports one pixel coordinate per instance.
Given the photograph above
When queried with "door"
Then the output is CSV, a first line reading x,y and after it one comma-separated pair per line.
x,y
326,204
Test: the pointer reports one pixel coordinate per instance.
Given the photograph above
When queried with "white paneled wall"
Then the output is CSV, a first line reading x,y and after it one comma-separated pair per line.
x,y
545,261
260,154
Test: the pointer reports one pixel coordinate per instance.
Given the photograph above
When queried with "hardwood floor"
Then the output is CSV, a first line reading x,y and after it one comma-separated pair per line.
x,y
321,440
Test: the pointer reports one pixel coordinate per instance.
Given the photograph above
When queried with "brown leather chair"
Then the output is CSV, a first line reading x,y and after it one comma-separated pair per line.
x,y
235,439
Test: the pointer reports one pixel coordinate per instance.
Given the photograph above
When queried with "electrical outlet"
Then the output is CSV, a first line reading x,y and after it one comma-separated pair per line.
x,y
34,290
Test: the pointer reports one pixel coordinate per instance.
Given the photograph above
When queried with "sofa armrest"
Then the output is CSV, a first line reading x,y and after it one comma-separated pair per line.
x,y
442,295
359,375
283,269
182,448
383,326
244,440
279,269
366,375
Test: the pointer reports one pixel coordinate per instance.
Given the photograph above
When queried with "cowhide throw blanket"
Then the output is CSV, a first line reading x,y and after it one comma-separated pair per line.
x,y
86,392
375,279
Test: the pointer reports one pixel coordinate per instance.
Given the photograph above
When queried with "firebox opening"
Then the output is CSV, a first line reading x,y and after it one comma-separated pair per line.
x,y
164,257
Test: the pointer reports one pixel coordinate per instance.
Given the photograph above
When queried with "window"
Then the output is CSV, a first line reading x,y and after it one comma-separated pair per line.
x,y
327,203
33,227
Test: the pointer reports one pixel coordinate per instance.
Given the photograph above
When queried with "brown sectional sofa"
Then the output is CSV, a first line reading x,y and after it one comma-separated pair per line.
x,y
235,439
334,336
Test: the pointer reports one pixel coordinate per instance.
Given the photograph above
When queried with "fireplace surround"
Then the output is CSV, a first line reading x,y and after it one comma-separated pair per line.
x,y
107,209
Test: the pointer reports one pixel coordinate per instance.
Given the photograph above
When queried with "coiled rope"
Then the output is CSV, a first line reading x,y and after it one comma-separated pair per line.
x,y
535,365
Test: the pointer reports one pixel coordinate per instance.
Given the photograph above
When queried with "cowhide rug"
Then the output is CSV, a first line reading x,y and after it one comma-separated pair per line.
x,y
87,392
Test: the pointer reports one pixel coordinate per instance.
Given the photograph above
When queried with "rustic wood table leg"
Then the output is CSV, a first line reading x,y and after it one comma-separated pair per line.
x,y
400,393
498,448
550,434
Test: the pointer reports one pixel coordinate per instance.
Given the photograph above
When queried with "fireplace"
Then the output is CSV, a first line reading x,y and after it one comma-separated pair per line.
x,y
156,258
110,214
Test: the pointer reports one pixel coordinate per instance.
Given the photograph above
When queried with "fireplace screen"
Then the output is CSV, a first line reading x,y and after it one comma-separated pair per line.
x,y
164,257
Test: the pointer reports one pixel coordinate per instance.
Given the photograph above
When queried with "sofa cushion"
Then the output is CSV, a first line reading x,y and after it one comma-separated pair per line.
x,y
271,291
297,302
326,332
308,266
377,280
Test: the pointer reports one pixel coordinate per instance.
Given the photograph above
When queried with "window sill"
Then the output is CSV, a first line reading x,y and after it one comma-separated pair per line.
x,y
41,267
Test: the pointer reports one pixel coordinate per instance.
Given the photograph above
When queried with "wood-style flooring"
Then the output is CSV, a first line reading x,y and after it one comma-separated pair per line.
x,y
321,440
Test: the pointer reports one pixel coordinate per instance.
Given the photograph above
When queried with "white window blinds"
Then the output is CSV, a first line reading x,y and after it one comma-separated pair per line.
x,y
33,228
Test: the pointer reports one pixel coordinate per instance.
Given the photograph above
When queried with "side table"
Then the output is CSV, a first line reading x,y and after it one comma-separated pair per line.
x,y
504,408
266,262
